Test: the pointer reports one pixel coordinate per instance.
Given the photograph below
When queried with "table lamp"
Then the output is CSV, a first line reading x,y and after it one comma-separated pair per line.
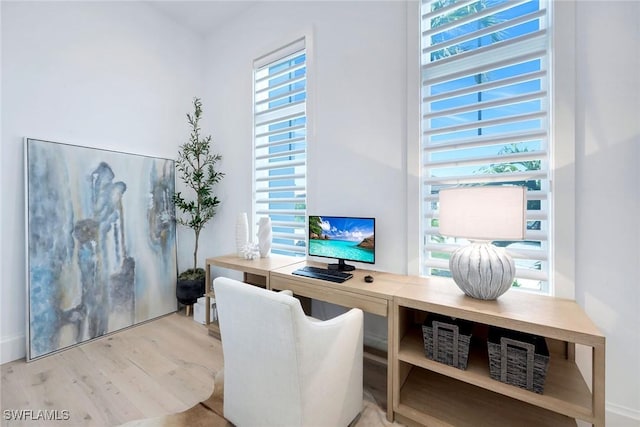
x,y
483,214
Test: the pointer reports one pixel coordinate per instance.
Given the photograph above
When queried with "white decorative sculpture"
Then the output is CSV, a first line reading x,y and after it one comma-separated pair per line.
x,y
242,233
250,251
264,236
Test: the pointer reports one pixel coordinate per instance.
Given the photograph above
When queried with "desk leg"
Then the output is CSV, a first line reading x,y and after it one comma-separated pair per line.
x,y
391,357
598,384
207,292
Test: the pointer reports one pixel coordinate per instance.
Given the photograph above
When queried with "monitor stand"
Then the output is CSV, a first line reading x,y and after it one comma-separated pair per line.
x,y
341,266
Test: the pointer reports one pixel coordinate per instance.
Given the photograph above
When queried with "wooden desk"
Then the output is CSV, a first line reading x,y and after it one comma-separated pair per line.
x,y
424,392
375,297
254,271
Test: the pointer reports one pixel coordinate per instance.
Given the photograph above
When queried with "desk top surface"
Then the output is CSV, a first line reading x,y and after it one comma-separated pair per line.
x,y
382,286
261,266
533,313
538,314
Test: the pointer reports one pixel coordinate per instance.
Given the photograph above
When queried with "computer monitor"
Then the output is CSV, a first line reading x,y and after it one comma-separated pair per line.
x,y
342,238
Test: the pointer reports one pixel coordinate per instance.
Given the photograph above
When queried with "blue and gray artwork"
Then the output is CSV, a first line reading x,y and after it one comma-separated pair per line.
x,y
101,242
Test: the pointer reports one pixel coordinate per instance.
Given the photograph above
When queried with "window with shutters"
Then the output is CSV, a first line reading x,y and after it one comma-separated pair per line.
x,y
280,145
485,121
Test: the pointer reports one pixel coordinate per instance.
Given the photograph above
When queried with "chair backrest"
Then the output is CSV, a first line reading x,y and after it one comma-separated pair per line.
x,y
261,355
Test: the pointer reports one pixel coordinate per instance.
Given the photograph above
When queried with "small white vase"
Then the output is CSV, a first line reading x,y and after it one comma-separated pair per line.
x,y
264,236
242,233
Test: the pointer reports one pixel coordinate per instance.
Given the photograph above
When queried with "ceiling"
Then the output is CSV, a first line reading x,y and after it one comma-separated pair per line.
x,y
203,16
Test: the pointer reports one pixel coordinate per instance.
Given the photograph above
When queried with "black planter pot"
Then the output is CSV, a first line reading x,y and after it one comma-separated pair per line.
x,y
188,291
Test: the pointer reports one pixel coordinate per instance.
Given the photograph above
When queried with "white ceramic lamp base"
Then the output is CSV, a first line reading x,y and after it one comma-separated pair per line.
x,y
482,271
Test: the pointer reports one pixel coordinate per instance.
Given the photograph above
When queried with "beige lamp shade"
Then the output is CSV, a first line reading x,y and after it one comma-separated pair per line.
x,y
483,213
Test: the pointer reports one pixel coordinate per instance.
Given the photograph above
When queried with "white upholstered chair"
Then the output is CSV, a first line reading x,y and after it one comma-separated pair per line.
x,y
282,368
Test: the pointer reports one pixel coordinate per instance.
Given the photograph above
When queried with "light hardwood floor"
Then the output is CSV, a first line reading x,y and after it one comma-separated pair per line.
x,y
163,366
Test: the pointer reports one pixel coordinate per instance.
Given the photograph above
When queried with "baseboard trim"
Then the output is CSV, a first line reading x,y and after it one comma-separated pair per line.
x,y
622,416
12,348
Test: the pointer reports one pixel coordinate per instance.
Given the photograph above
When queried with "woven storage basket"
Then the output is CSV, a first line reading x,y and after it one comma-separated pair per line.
x,y
518,359
446,340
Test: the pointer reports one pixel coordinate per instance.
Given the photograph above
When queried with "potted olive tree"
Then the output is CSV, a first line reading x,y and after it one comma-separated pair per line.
x,y
196,168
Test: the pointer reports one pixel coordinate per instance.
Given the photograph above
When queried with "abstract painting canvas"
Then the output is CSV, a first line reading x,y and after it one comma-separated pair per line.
x,y
101,242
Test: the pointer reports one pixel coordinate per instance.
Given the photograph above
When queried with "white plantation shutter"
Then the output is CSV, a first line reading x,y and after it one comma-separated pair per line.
x,y
485,119
280,145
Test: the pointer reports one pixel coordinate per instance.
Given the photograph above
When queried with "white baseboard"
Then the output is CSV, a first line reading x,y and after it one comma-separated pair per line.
x,y
12,348
620,416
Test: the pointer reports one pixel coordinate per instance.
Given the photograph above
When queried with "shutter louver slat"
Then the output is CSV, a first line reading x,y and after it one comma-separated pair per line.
x,y
289,224
531,195
290,129
287,189
486,105
286,212
535,275
487,123
289,177
279,114
524,254
281,96
290,236
508,138
289,249
530,235
283,141
531,215
280,85
515,157
278,154
483,87
444,10
280,165
276,200
488,178
284,72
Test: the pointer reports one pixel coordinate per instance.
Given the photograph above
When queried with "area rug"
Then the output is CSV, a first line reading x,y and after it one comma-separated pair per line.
x,y
208,413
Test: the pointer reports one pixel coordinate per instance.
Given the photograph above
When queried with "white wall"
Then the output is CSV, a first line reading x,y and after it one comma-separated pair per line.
x,y
112,75
356,116
608,189
356,101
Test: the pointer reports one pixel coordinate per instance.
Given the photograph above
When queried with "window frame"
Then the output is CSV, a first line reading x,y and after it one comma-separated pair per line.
x,y
561,157
296,43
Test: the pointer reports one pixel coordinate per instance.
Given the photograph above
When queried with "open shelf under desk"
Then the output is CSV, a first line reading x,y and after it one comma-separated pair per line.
x,y
565,390
429,398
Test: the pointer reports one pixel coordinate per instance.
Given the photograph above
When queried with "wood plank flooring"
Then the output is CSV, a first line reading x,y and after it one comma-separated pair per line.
x,y
161,367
